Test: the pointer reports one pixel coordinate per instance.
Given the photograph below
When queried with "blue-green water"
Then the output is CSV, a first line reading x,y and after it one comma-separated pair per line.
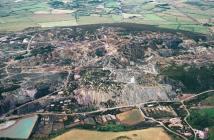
x,y
21,130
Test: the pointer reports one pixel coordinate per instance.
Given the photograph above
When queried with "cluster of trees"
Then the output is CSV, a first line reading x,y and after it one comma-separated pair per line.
x,y
113,127
110,127
42,50
7,88
56,4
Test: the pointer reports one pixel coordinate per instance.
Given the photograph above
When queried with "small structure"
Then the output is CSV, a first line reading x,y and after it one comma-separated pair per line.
x,y
25,41
60,92
76,120
187,134
175,120
77,76
202,134
104,120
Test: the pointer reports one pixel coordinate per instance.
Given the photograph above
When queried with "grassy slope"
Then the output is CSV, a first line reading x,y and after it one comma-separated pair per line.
x,y
208,101
194,79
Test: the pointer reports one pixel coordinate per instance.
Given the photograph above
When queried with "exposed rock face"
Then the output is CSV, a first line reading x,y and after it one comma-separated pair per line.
x,y
134,94
131,94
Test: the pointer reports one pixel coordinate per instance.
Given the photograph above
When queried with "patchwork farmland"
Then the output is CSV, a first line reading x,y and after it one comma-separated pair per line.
x,y
178,15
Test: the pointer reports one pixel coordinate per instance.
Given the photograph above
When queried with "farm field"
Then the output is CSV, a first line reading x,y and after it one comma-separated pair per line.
x,y
131,117
146,134
16,15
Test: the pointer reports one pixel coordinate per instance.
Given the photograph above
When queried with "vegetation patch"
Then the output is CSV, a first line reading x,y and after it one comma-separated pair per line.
x,y
42,50
209,101
194,79
113,127
202,118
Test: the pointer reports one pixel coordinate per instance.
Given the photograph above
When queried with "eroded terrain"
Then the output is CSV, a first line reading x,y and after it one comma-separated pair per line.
x,y
99,67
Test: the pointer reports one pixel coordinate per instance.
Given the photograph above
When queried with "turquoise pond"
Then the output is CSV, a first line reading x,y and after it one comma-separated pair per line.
x,y
21,130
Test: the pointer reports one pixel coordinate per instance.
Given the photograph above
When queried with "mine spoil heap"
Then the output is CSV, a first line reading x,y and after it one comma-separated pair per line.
x,y
97,67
